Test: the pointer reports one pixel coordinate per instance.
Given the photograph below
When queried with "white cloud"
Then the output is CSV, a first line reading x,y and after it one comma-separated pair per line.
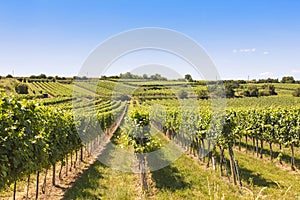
x,y
266,74
265,52
250,50
295,71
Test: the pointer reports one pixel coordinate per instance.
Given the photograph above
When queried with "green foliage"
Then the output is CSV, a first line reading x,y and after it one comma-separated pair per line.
x,y
182,94
41,76
296,93
217,89
273,125
252,91
138,132
32,137
129,75
157,77
268,80
123,97
229,90
188,78
202,94
21,88
287,79
268,89
145,76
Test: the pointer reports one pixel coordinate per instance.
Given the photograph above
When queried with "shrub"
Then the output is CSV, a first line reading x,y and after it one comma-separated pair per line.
x,y
182,94
202,94
268,89
123,98
252,91
229,90
296,93
21,88
264,93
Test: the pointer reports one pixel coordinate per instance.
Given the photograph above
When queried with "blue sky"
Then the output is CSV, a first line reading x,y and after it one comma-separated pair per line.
x,y
255,38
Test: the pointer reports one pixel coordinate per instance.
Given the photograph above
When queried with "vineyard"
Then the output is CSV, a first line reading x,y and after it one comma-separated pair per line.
x,y
248,150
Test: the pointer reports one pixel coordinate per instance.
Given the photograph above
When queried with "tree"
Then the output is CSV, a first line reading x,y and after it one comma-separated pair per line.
x,y
188,78
145,76
127,75
287,79
157,77
9,76
268,80
42,76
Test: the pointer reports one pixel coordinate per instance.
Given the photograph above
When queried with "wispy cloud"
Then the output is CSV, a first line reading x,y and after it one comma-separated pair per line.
x,y
296,71
251,50
266,74
265,52
248,50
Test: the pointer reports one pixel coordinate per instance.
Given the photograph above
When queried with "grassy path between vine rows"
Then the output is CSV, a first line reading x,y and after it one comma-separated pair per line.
x,y
187,178
102,182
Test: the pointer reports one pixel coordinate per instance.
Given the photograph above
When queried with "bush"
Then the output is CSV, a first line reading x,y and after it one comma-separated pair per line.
x,y
123,97
264,93
296,93
252,91
268,89
22,88
182,94
202,94
229,89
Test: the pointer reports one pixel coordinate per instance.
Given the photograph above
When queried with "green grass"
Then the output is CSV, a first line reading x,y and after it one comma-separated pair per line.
x,y
261,178
102,182
286,152
257,174
7,85
188,179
